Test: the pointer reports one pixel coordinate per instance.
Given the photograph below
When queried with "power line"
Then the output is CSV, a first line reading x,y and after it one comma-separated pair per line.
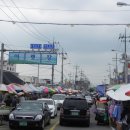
x,y
19,20
28,21
70,24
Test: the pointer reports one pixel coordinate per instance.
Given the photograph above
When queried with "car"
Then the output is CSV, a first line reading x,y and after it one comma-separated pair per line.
x,y
30,114
58,98
51,104
75,108
89,100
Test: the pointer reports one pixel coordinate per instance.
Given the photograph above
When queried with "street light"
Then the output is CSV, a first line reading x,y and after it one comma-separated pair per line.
x,y
122,4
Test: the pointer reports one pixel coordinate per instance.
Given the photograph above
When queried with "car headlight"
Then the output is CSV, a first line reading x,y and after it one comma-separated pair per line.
x,y
11,116
38,117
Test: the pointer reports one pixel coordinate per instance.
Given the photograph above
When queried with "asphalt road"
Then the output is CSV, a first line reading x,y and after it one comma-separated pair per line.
x,y
72,126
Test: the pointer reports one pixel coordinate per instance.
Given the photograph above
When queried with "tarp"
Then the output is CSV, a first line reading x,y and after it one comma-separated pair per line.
x,y
9,77
101,90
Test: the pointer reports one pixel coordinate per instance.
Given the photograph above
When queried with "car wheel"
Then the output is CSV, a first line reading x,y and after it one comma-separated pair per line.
x,y
88,123
43,125
11,127
61,122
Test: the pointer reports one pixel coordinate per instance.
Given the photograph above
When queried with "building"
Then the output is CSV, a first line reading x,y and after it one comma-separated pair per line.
x,y
8,67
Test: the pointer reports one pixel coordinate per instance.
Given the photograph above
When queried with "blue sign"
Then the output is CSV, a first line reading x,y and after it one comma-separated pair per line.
x,y
49,59
32,58
48,46
36,46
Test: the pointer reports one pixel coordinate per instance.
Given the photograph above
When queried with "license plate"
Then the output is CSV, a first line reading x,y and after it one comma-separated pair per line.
x,y
23,123
74,113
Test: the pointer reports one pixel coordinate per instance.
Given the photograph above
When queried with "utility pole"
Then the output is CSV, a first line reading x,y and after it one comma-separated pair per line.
x,y
2,58
70,83
116,70
76,69
124,37
38,75
62,62
62,65
110,73
53,67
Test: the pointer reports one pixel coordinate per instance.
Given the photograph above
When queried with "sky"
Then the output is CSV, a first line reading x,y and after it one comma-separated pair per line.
x,y
87,46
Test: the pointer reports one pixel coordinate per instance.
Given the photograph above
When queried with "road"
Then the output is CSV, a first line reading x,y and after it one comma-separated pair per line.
x,y
75,126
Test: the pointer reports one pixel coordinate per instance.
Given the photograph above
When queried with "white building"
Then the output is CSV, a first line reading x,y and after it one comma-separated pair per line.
x,y
8,67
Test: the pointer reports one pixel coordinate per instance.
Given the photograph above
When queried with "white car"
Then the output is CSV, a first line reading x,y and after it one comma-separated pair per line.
x,y
89,100
59,98
51,104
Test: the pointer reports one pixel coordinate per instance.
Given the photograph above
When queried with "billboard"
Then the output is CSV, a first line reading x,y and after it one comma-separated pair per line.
x,y
32,58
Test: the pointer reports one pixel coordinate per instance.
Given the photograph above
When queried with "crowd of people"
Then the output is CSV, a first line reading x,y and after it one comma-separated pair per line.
x,y
11,100
116,112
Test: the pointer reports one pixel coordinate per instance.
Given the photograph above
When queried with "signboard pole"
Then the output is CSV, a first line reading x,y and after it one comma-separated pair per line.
x,y
53,70
1,71
38,75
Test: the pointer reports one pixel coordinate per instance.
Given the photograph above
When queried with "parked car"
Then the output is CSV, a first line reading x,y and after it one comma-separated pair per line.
x,y
75,108
51,104
58,98
30,114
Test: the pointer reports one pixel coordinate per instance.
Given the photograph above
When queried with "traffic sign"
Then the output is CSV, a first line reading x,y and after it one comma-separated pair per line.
x,y
48,46
36,46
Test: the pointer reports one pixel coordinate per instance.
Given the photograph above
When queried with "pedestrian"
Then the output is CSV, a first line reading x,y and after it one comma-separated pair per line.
x,y
8,101
21,98
14,101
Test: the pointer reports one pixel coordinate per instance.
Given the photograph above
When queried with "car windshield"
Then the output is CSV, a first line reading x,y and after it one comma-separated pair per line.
x,y
33,106
58,97
75,103
49,102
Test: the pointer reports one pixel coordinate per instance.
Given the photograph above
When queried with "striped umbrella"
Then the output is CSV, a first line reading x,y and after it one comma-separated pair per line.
x,y
3,88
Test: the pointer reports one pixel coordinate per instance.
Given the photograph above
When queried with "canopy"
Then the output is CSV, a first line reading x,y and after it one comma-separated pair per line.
x,y
3,88
26,88
34,88
120,94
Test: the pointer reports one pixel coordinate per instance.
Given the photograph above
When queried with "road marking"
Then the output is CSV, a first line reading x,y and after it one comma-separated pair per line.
x,y
54,126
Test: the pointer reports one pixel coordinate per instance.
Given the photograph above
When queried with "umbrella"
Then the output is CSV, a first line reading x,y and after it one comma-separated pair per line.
x,y
127,93
111,94
51,90
121,92
11,90
20,93
3,88
26,88
46,90
34,88
15,87
114,87
59,87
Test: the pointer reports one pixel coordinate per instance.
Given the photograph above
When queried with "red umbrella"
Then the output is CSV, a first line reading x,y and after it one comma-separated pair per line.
x,y
127,93
46,90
